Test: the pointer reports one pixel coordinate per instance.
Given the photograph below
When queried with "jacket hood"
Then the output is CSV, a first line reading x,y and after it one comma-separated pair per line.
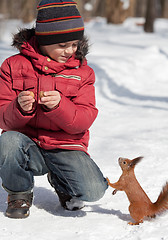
x,y
25,35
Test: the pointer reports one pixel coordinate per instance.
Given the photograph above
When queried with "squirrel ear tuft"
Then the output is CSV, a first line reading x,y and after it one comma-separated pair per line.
x,y
135,161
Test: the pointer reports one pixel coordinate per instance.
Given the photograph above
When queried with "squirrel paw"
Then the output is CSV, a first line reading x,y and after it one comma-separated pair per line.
x,y
108,181
135,223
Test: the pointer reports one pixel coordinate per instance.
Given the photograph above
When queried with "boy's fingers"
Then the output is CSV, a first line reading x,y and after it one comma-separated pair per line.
x,y
50,93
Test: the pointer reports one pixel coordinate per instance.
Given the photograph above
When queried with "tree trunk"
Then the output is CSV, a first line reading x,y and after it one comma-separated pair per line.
x,y
20,9
98,8
3,7
132,8
140,8
28,11
150,16
164,8
115,12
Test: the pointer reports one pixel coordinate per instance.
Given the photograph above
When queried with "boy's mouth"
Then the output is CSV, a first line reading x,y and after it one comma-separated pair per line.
x,y
65,58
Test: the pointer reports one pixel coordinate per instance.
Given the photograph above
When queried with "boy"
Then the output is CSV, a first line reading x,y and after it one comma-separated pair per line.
x,y
47,105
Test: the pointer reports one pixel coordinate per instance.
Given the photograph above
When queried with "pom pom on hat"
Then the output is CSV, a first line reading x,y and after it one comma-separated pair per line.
x,y
58,21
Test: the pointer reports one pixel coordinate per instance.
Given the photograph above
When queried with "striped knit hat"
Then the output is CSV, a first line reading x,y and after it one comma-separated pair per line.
x,y
58,21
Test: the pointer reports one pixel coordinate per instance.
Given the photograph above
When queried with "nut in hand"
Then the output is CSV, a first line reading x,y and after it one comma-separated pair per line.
x,y
32,94
41,94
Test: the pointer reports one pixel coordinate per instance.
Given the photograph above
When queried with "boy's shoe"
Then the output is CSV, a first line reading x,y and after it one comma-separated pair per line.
x,y
18,205
74,204
66,201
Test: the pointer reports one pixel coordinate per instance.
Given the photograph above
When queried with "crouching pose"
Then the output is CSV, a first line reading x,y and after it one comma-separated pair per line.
x,y
47,105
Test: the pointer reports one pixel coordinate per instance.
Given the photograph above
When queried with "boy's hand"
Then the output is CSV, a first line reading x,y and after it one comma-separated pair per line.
x,y
26,100
50,99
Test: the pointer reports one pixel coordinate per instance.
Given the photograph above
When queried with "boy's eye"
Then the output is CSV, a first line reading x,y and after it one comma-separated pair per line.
x,y
62,45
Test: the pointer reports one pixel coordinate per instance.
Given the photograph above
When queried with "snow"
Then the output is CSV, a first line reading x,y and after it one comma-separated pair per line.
x,y
126,4
131,90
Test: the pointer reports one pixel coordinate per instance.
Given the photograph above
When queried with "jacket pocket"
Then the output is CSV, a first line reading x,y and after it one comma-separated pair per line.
x,y
24,84
68,87
17,84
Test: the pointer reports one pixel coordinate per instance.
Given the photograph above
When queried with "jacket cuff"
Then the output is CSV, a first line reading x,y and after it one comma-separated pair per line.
x,y
46,109
27,113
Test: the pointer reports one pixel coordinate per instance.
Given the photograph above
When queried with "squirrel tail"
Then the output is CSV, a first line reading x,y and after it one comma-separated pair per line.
x,y
162,202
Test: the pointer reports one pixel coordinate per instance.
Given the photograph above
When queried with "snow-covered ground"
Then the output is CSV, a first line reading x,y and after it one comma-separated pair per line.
x,y
132,96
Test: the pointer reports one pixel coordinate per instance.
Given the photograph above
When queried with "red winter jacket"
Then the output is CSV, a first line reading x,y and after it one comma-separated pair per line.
x,y
64,127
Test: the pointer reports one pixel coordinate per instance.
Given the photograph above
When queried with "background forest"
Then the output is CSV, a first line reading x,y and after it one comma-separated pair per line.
x,y
115,11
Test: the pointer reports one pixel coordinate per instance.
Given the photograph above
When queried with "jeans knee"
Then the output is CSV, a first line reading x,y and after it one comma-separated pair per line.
x,y
94,191
9,142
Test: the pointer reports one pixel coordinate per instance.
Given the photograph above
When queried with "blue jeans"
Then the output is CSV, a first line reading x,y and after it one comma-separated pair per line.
x,y
73,172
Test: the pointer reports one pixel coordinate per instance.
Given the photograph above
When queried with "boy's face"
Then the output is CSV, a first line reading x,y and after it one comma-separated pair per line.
x,y
60,52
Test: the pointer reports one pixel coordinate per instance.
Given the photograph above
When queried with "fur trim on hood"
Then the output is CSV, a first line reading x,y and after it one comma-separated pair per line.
x,y
24,35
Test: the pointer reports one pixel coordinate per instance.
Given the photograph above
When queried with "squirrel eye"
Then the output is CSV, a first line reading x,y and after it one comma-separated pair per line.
x,y
124,162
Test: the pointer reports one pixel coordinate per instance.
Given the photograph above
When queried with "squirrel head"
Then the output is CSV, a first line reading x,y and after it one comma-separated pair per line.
x,y
127,164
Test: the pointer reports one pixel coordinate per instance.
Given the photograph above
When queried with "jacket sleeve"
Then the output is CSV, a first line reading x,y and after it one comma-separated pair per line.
x,y
11,117
77,116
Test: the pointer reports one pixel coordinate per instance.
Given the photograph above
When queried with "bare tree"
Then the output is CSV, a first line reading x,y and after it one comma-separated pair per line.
x,y
98,8
3,7
131,11
116,12
164,4
20,9
140,8
28,10
150,16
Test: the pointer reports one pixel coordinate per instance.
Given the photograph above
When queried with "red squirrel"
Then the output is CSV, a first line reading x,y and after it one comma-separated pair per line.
x,y
140,205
